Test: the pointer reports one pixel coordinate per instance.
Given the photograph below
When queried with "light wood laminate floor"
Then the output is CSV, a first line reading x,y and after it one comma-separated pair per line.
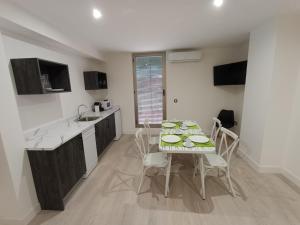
x,y
108,196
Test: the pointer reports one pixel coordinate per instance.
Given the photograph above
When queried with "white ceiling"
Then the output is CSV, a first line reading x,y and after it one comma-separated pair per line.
x,y
151,25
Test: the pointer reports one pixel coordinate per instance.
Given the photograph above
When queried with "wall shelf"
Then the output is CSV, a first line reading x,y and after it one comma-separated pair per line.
x,y
94,80
39,76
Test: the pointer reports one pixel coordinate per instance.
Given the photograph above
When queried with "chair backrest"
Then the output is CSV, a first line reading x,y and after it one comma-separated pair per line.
x,y
139,140
226,153
215,129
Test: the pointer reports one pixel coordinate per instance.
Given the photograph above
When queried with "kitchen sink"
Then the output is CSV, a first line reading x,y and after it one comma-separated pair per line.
x,y
87,118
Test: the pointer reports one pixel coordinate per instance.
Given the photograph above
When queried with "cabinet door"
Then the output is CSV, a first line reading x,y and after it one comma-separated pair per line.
x,y
100,136
27,76
56,172
105,133
44,168
71,163
78,156
65,161
112,127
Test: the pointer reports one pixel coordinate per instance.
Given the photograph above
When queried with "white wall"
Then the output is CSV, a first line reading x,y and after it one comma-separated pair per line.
x,y
259,75
17,193
191,83
283,88
271,109
35,110
292,154
120,80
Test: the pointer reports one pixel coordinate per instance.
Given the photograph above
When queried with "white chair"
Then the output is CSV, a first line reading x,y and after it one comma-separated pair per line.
x,y
215,129
220,160
151,140
149,160
213,137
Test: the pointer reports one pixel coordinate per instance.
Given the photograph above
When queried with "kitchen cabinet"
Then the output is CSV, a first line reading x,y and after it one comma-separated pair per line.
x,y
39,76
105,133
56,172
94,80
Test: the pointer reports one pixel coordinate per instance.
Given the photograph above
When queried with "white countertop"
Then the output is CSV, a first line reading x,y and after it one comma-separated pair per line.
x,y
51,136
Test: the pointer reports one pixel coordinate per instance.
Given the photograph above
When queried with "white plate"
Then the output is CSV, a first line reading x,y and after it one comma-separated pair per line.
x,y
169,125
188,146
189,123
171,138
184,128
199,139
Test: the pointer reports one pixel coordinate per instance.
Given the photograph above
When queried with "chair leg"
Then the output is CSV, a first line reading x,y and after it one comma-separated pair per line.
x,y
230,183
196,166
168,171
195,172
202,172
219,174
141,180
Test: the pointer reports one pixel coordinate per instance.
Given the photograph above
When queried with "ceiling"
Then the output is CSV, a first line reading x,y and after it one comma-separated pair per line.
x,y
151,25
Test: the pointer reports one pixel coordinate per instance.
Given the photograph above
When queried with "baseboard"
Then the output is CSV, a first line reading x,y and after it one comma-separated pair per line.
x,y
269,169
249,160
291,177
34,211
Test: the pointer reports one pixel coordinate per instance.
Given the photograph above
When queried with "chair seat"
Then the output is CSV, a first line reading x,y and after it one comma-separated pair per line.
x,y
154,140
157,159
215,160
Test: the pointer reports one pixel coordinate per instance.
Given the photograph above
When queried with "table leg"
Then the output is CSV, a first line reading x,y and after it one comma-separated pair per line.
x,y
168,175
202,172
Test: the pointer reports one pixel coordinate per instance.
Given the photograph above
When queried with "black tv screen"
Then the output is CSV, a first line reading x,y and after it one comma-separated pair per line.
x,y
230,74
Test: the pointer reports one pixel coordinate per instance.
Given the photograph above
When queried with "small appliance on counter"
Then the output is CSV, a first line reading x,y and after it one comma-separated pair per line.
x,y
106,105
97,107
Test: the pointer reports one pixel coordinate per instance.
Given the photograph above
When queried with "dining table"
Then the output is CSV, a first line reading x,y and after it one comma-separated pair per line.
x,y
184,130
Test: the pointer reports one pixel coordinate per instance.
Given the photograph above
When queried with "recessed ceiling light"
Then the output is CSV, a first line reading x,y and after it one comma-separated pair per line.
x,y
218,3
96,13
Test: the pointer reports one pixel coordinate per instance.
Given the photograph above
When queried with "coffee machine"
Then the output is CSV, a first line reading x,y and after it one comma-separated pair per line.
x,y
97,107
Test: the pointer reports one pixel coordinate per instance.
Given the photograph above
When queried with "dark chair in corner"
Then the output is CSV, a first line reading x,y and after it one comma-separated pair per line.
x,y
227,118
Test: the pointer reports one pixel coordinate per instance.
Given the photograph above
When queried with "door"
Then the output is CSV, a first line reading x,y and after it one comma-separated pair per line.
x,y
149,88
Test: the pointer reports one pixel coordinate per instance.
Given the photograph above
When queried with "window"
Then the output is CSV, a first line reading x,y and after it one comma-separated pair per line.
x,y
149,88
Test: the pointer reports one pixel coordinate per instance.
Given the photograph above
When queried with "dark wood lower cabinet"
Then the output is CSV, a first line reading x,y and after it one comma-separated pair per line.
x,y
56,172
105,132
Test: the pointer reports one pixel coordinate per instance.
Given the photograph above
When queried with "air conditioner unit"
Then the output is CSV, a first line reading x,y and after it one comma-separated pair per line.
x,y
184,56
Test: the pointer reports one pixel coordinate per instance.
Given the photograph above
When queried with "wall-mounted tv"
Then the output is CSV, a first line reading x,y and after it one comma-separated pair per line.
x,y
230,74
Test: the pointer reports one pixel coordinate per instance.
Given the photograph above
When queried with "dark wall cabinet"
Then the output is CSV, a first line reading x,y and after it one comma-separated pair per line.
x,y
94,80
38,76
56,172
105,133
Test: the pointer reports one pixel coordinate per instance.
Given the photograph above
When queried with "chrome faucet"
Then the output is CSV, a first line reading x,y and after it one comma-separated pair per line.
x,y
78,111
